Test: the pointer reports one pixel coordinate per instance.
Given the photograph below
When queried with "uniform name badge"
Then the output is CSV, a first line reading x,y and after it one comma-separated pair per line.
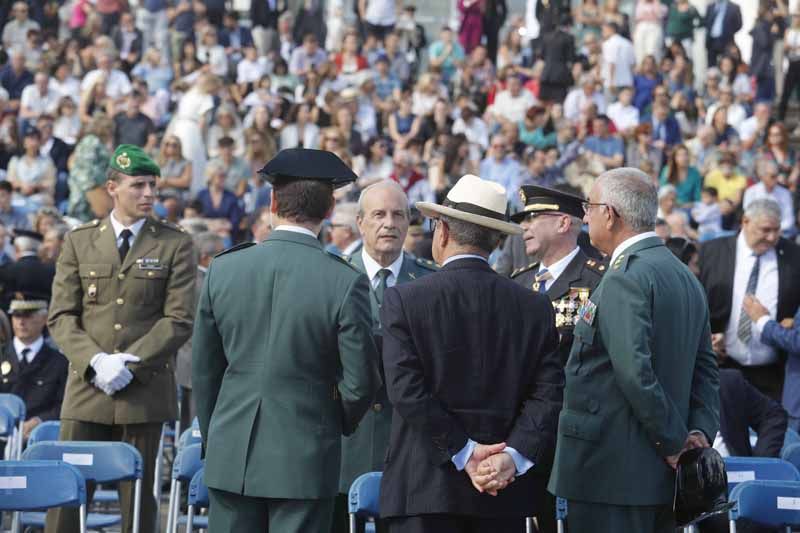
x,y
587,312
149,263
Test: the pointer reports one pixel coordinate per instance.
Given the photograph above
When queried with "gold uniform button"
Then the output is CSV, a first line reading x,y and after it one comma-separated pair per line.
x,y
149,274
93,273
120,301
377,408
117,327
121,276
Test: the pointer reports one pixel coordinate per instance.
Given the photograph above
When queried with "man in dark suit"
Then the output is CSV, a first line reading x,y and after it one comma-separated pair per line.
x,y
557,48
757,261
29,367
473,375
234,37
642,380
264,15
383,219
723,19
28,274
666,130
59,152
283,360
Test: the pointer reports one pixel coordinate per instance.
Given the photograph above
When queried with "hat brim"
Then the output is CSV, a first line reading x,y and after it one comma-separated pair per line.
x,y
430,210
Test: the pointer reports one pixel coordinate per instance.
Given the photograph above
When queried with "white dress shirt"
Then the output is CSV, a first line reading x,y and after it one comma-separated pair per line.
x,y
753,353
296,229
372,267
522,463
558,268
34,348
118,226
624,117
627,243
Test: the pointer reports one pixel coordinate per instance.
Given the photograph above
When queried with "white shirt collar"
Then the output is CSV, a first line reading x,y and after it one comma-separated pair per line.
x,y
351,247
464,256
627,243
35,346
558,268
296,229
118,226
372,267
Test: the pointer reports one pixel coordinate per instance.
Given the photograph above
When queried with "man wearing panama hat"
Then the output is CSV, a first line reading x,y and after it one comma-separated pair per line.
x,y
473,374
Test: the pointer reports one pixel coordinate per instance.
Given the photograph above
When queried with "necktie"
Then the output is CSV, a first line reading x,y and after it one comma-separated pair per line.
x,y
383,275
540,285
23,363
745,331
126,243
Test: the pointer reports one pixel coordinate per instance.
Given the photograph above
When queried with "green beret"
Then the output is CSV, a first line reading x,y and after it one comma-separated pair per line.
x,y
132,161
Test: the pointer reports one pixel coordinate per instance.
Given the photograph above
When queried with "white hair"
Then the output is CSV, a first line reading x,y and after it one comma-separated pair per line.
x,y
632,193
763,207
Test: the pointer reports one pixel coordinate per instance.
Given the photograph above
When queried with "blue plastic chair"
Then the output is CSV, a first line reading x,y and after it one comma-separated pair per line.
x,y
741,469
27,485
16,406
190,436
100,462
46,431
363,500
774,504
198,499
561,514
187,464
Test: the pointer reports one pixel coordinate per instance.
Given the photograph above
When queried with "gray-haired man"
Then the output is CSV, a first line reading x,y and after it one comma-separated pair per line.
x,y
641,379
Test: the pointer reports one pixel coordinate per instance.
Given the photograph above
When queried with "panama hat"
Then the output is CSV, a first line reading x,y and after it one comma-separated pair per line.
x,y
476,201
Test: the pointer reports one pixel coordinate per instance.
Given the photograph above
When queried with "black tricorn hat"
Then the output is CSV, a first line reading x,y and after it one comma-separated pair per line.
x,y
537,199
294,164
701,486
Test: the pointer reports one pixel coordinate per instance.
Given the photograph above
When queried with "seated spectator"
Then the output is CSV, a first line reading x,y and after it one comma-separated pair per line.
x,y
37,98
666,130
250,69
237,170
702,149
511,104
234,37
387,84
404,125
642,148
644,83
348,62
607,149
16,30
753,130
375,165
623,113
151,69
134,127
404,171
45,219
768,187
14,77
776,148
218,203
724,134
537,129
306,57
226,124
88,198
736,113
300,132
446,54
10,215
63,83
32,174
211,53
685,178
30,368
128,40
726,179
707,214
176,171
96,101
53,241
500,167
67,125
117,83
587,91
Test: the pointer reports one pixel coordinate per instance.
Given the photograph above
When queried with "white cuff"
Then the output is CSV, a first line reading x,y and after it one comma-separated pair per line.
x,y
522,463
761,323
462,458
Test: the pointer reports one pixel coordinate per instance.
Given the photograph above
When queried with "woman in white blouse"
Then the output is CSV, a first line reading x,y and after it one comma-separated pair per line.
x,y
300,132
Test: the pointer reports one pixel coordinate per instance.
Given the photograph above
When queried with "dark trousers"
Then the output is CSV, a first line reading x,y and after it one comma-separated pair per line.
x,y
341,518
144,437
235,513
766,378
378,31
586,517
716,48
443,523
790,84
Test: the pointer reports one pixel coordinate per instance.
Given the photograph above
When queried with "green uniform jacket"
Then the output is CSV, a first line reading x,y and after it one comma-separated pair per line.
x,y
365,450
640,376
283,364
143,306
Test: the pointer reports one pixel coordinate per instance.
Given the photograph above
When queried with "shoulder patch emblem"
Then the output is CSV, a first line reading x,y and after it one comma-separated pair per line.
x,y
426,263
521,270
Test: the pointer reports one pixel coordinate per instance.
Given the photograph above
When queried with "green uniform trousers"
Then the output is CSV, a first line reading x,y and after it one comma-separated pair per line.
x,y
144,437
235,513
587,517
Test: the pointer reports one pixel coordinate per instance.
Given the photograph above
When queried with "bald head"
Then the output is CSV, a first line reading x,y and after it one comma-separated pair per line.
x,y
383,216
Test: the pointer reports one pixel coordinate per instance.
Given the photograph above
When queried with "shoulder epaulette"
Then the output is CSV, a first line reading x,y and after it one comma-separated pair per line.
x,y
521,270
621,262
426,264
93,224
342,259
236,248
598,266
170,225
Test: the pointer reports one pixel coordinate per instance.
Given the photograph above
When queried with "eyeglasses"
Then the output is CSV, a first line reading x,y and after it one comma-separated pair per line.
x,y
588,205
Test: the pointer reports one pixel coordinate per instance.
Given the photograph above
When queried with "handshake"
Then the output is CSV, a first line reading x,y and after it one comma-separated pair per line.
x,y
111,374
490,469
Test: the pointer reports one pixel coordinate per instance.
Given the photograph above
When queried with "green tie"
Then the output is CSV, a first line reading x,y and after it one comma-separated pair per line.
x,y
383,274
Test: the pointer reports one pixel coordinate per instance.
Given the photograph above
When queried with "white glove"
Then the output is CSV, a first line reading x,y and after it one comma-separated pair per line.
x,y
103,386
111,371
